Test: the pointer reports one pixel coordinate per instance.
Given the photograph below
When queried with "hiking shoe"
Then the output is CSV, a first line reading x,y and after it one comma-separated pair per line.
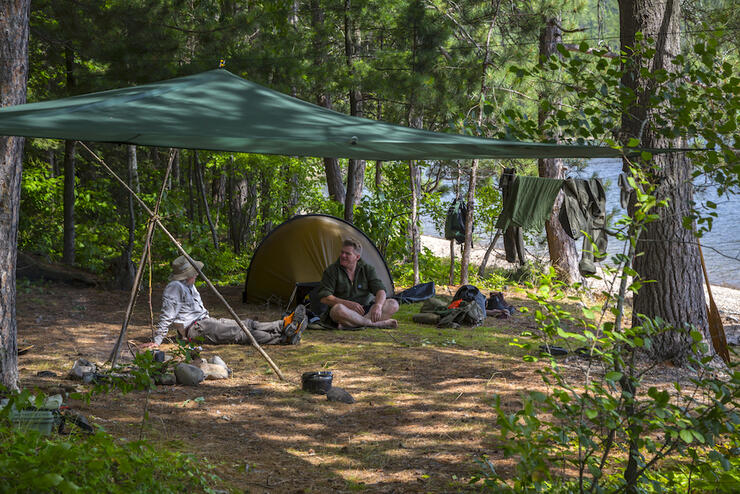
x,y
292,332
496,301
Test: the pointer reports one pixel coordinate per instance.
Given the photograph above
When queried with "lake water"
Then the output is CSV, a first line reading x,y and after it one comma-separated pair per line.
x,y
721,246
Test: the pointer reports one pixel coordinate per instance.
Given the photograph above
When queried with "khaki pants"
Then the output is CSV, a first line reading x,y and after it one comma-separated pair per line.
x,y
228,332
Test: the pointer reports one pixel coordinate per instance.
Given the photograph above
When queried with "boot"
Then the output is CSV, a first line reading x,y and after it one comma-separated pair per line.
x,y
496,301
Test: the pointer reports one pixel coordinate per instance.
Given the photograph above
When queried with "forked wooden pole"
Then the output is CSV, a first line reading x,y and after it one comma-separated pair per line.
x,y
140,271
155,219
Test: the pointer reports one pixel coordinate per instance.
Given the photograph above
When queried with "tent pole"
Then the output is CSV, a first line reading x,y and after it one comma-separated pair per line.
x,y
140,271
155,218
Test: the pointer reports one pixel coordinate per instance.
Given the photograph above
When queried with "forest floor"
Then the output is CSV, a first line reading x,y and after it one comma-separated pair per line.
x,y
423,412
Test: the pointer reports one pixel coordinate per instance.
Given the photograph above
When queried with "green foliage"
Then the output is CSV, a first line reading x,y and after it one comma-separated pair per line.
x,y
696,104
30,462
607,422
39,228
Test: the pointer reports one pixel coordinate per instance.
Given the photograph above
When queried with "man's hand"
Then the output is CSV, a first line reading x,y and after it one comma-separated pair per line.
x,y
375,312
149,346
354,306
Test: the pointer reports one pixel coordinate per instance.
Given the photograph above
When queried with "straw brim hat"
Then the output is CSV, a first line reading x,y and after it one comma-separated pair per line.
x,y
182,269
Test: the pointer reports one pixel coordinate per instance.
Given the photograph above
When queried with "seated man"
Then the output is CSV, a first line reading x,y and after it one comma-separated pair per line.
x,y
182,305
355,294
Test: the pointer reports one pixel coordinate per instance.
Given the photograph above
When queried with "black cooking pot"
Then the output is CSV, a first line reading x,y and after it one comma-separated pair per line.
x,y
317,383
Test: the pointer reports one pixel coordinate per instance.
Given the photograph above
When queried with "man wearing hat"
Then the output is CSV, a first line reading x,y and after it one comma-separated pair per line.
x,y
182,305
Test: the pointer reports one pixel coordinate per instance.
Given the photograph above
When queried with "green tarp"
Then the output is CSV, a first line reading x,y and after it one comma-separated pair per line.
x,y
217,110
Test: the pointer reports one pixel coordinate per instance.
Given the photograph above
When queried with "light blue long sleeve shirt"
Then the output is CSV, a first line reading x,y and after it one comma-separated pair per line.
x,y
181,304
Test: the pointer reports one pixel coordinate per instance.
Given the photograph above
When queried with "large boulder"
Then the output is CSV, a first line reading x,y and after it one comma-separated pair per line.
x,y
189,375
80,368
212,370
338,394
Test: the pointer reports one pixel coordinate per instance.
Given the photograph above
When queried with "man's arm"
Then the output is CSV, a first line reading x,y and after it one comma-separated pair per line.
x,y
376,310
331,301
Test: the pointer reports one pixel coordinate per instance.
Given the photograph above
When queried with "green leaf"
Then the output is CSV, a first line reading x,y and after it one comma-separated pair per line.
x,y
633,142
591,414
698,435
613,376
686,435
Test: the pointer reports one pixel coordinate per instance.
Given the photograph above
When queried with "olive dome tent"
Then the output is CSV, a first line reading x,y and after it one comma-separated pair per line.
x,y
298,251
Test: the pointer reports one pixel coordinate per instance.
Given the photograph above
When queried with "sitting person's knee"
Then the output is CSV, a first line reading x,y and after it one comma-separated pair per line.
x,y
337,311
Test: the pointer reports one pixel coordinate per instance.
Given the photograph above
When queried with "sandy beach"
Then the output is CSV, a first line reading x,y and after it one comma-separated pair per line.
x,y
727,299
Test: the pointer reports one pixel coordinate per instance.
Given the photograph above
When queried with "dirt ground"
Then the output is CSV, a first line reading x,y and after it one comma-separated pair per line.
x,y
423,396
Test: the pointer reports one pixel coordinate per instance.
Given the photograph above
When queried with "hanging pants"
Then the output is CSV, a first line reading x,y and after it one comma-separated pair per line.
x,y
227,331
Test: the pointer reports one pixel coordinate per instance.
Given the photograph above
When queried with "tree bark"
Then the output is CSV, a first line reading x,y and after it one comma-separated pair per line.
x,y
415,181
13,76
239,190
562,248
666,252
334,183
452,242
133,182
265,204
204,198
468,246
355,168
68,245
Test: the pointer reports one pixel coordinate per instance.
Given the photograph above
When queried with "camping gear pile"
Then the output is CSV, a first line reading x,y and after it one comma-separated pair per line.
x,y
468,307
44,416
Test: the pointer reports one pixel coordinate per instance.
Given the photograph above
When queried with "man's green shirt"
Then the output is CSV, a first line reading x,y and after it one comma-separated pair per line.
x,y
336,282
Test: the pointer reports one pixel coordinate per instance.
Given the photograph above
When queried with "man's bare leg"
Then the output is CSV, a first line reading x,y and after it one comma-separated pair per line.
x,y
347,318
390,307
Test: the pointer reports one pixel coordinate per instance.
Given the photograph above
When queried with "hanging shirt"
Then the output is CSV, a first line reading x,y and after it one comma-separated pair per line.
x,y
181,304
529,202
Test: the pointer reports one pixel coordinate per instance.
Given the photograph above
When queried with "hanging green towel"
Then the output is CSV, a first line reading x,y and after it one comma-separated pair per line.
x,y
529,205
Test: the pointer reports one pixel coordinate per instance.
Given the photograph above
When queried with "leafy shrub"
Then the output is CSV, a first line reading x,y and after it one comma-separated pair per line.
x,y
30,462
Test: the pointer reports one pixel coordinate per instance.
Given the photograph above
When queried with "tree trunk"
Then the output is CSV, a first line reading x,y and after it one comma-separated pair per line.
x,y
415,181
468,246
334,182
487,256
125,269
133,182
562,248
452,262
68,246
666,252
237,196
202,189
355,168
452,242
13,76
265,203
53,165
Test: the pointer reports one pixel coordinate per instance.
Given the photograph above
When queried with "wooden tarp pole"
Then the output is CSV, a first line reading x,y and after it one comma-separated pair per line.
x,y
140,271
156,220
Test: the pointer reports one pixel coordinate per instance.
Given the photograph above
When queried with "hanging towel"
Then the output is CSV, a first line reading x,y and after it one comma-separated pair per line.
x,y
530,201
